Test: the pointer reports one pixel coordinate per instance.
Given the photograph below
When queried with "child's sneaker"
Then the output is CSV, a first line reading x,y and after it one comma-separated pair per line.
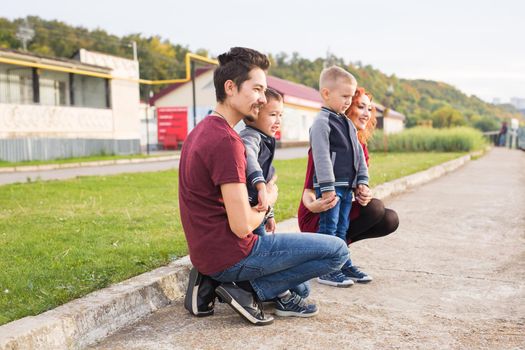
x,y
335,279
294,305
356,275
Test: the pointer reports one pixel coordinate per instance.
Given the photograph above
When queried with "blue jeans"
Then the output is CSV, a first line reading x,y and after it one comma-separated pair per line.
x,y
283,261
335,221
261,229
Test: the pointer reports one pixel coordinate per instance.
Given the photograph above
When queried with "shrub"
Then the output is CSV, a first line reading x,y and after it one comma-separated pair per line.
x,y
461,139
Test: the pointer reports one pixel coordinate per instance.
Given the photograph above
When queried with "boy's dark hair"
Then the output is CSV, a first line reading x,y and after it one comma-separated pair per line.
x,y
272,94
236,65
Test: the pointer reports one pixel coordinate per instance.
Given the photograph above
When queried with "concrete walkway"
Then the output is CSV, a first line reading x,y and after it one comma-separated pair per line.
x,y
452,276
136,166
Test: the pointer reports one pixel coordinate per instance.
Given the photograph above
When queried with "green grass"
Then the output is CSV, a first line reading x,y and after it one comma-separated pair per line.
x,y
5,164
383,167
459,139
60,240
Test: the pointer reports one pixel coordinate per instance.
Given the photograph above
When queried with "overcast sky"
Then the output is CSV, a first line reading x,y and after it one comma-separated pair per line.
x,y
476,45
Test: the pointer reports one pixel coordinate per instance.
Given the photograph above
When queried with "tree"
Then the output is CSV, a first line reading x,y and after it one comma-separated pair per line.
x,y
446,117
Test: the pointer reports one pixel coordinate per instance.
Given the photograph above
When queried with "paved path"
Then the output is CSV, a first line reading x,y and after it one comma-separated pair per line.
x,y
451,277
60,174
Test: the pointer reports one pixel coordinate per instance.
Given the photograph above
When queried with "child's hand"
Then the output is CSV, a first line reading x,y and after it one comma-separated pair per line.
x,y
328,195
263,200
270,225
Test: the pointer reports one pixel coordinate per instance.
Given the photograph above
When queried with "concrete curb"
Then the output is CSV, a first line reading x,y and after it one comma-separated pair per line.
x,y
26,168
87,320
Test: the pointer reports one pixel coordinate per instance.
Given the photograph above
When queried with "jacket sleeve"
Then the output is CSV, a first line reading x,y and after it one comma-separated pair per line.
x,y
362,171
252,142
320,144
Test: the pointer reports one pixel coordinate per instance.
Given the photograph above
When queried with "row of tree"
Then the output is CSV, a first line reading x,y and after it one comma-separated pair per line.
x,y
418,100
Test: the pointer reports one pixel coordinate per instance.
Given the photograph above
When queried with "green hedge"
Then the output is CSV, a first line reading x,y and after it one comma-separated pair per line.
x,y
420,139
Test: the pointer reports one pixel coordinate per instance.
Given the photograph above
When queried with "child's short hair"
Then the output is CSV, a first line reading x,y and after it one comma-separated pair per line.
x,y
329,77
272,94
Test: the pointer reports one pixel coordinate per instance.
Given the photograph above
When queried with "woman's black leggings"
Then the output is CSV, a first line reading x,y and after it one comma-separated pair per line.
x,y
373,221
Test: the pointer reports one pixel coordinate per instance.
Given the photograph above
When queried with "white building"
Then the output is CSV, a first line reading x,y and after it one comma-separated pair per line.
x,y
392,122
59,108
301,104
176,118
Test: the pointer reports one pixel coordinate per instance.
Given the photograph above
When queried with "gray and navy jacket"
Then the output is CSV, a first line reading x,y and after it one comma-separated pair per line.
x,y
260,149
338,157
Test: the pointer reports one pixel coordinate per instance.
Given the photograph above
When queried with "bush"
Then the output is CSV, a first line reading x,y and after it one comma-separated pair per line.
x,y
461,139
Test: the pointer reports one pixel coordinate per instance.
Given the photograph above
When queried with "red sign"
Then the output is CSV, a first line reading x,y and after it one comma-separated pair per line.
x,y
172,125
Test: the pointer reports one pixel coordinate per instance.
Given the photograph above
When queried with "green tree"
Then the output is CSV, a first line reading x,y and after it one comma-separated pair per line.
x,y
447,117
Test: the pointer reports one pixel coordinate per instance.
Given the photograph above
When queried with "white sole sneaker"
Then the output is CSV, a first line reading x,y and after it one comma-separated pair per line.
x,y
344,284
362,280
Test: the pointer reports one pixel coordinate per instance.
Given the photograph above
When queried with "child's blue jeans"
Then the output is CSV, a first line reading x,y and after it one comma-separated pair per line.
x,y
335,221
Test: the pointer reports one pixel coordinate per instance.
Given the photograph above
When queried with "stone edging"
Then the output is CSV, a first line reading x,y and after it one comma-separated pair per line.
x,y
92,318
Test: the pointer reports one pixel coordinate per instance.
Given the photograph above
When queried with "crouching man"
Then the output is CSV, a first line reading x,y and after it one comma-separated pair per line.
x,y
229,261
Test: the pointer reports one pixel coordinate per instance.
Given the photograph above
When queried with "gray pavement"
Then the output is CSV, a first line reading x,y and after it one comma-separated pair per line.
x,y
452,276
62,174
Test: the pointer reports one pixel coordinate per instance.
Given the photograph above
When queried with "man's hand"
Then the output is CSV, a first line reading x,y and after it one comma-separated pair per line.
x,y
270,225
272,191
262,195
328,195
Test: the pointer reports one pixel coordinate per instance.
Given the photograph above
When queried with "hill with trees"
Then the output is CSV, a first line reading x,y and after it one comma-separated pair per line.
x,y
160,59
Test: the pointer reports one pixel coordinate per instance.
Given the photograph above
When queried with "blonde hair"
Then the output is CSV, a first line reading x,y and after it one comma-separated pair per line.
x,y
330,76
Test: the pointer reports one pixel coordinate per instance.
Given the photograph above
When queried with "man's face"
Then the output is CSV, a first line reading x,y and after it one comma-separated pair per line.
x,y
249,99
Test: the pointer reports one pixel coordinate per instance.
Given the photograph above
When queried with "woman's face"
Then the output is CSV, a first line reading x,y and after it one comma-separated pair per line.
x,y
361,112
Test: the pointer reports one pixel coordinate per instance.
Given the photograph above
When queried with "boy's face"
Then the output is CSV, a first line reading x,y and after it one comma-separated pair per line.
x,y
339,97
249,98
269,119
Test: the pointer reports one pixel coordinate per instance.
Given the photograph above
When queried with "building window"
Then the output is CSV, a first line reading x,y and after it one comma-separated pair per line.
x,y
90,91
23,85
54,87
16,84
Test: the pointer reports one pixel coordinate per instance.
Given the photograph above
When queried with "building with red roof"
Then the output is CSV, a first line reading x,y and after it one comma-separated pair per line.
x,y
176,116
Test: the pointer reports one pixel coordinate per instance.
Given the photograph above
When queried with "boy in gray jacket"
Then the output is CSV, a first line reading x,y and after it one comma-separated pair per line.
x,y
339,160
259,140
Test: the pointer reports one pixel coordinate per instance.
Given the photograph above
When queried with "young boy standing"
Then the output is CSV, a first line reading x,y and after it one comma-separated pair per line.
x,y
259,140
339,161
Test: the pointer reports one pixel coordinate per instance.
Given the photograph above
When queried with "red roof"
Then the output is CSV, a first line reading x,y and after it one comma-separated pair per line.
x,y
289,88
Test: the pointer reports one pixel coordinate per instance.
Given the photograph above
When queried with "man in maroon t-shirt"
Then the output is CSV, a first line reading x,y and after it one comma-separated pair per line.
x,y
218,220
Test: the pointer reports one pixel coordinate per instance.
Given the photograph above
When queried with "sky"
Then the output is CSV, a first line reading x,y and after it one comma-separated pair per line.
x,y
477,46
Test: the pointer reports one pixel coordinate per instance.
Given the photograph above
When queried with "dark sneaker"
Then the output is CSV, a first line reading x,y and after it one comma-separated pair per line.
x,y
335,279
294,305
200,295
356,275
244,303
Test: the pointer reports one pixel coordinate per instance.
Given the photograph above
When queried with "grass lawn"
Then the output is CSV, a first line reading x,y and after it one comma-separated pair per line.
x,y
60,240
4,164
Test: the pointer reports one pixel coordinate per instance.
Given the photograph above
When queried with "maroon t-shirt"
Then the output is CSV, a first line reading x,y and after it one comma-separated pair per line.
x,y
308,221
213,154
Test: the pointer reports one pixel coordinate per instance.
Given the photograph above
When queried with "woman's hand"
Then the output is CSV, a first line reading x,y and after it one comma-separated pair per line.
x,y
318,205
363,195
